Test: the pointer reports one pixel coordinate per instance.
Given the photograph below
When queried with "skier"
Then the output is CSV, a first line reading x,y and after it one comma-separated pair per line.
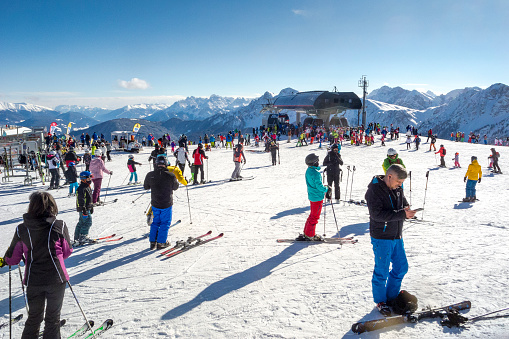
x,y
417,141
87,158
71,175
162,183
43,243
442,152
472,177
432,144
392,158
494,158
457,160
182,156
274,148
316,191
198,156
97,168
388,209
333,160
85,208
154,153
53,165
131,165
238,158
408,141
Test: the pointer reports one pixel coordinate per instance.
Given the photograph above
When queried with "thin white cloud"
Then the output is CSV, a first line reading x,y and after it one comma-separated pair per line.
x,y
134,83
299,12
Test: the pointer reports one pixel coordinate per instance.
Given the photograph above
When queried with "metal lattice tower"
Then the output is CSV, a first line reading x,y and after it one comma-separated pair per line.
x,y
364,84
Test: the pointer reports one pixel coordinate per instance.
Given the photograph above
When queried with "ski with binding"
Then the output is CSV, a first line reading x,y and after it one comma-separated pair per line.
x,y
340,241
13,321
182,243
82,330
101,329
199,242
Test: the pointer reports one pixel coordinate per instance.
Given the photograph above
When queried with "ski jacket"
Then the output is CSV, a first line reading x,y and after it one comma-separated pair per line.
x,y
238,155
131,164
333,161
87,158
474,171
181,155
97,168
71,156
441,151
84,198
388,162
386,209
44,244
153,156
162,183
71,175
53,161
198,156
316,190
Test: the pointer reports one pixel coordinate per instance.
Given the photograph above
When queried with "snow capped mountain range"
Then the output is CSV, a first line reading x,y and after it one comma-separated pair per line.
x,y
472,109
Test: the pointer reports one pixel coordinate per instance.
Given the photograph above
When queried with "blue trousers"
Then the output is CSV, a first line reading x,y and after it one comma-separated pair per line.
x,y
386,281
83,225
135,175
471,188
160,224
73,187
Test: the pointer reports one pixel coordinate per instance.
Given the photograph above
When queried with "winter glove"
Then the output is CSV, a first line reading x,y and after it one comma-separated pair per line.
x,y
111,172
479,181
2,262
465,179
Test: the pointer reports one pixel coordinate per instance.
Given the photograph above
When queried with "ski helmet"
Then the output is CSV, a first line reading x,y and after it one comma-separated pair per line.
x,y
98,153
85,175
441,145
131,156
335,146
161,160
391,151
200,145
473,158
312,160
71,164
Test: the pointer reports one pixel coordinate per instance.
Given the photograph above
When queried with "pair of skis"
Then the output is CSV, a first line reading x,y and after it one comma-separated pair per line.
x,y
108,238
333,241
190,243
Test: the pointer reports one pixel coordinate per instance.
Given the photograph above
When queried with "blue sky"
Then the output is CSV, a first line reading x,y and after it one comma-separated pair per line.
x,y
112,53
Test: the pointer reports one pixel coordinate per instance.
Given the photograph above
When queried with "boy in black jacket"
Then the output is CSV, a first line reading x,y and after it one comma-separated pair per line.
x,y
85,208
71,175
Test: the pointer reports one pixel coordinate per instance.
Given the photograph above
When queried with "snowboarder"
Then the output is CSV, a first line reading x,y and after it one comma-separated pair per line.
x,y
85,208
44,243
198,156
162,183
316,191
442,152
472,177
333,160
494,157
392,158
238,158
131,165
388,209
97,168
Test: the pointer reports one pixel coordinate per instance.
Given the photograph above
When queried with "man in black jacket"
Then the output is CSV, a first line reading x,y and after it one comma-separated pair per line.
x,y
388,209
333,161
162,183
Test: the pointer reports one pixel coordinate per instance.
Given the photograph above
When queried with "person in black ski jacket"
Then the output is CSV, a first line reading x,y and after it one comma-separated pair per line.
x,y
274,149
43,243
162,183
333,160
388,209
154,154
85,207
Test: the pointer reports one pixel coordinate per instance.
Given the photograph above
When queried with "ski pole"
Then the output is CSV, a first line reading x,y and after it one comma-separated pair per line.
x,y
84,316
410,175
334,214
107,189
146,210
347,179
189,205
278,157
325,205
139,196
125,178
10,304
351,183
425,191
23,288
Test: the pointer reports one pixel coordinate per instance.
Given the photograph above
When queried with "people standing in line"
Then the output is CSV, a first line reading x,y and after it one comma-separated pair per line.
x,y
97,168
442,152
332,161
238,158
388,209
162,183
43,242
198,156
392,158
472,177
131,165
494,157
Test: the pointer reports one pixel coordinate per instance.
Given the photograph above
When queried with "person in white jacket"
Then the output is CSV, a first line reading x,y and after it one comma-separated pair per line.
x,y
53,165
97,168
182,156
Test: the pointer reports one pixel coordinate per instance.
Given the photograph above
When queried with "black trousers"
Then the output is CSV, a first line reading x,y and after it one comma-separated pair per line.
x,y
196,169
55,177
334,178
50,296
273,153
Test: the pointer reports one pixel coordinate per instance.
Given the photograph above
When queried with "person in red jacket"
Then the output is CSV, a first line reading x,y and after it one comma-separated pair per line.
x,y
198,156
442,155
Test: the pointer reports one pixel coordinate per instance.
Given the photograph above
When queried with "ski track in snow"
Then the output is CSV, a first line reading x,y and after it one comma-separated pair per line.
x,y
245,285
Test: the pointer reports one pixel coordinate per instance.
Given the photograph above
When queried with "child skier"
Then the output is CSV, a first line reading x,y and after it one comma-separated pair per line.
x,y
85,208
316,192
131,165
457,160
71,175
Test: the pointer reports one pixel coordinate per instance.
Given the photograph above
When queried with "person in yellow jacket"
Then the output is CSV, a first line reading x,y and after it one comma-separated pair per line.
x,y
472,177
180,178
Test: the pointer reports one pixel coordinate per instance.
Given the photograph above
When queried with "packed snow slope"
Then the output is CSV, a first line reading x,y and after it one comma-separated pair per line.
x,y
246,285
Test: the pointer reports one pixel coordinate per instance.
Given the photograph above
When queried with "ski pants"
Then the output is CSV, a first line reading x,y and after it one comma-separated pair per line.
x,y
496,168
471,188
37,297
73,187
97,189
83,225
196,169
55,178
236,171
442,161
133,175
160,224
334,178
273,154
182,167
314,216
386,281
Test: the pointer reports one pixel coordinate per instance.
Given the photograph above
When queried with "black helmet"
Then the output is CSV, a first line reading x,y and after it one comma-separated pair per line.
x,y
441,145
335,146
200,145
312,160
161,160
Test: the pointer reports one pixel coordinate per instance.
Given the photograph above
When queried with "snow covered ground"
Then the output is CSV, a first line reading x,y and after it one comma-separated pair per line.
x,y
246,285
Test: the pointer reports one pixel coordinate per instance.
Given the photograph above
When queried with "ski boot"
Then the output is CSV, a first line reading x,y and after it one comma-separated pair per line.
x,y
384,309
153,245
160,246
85,239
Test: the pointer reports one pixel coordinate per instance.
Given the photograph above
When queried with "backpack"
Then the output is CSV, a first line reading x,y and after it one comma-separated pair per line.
x,y
445,152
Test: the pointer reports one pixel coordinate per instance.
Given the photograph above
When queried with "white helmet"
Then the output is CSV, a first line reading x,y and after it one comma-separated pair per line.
x,y
53,153
98,152
391,151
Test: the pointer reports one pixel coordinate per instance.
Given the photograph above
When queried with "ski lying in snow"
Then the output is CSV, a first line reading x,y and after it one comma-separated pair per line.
x,y
13,321
183,243
340,241
62,323
105,203
108,238
101,329
372,325
199,242
82,330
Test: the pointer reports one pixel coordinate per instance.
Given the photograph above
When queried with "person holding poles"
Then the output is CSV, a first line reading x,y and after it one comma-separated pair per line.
x,y
333,161
238,158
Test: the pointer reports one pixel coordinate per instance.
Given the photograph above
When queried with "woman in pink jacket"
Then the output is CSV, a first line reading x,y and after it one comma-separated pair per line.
x,y
97,168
